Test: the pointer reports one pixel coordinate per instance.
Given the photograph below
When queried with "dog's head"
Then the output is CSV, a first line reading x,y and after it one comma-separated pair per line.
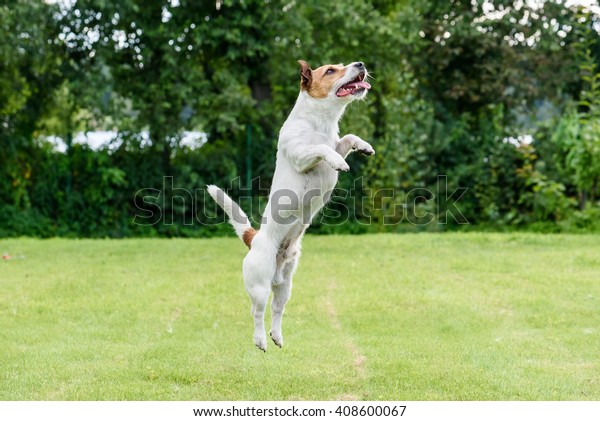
x,y
336,81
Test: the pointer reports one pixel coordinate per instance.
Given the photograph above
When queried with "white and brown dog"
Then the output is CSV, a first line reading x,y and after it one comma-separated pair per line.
x,y
310,154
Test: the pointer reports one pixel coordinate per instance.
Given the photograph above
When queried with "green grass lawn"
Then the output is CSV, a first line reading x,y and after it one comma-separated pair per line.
x,y
394,317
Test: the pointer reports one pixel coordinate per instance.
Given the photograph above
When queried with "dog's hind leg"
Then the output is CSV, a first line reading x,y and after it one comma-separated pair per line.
x,y
259,269
259,296
281,295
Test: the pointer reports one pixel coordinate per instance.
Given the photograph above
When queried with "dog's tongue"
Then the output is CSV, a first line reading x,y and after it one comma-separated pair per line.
x,y
351,87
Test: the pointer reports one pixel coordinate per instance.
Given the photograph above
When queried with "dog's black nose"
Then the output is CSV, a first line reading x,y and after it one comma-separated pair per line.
x,y
359,64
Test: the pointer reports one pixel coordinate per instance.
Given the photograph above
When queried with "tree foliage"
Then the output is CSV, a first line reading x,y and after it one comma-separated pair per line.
x,y
500,97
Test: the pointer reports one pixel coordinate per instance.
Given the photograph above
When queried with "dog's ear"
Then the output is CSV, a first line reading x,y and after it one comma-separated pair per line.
x,y
305,74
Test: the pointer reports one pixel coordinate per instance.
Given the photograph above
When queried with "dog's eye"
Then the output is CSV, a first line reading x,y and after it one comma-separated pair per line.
x,y
330,71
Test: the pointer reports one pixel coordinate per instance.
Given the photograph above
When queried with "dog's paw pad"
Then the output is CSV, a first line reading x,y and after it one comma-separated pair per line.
x,y
367,151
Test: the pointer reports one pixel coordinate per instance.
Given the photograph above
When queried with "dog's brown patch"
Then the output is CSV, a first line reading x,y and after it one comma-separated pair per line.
x,y
318,82
248,236
305,75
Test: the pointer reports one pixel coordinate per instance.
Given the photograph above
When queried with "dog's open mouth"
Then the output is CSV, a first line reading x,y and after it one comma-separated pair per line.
x,y
354,87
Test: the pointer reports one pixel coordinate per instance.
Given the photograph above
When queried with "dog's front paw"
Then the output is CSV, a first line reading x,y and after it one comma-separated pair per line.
x,y
343,167
277,338
367,150
261,342
339,164
364,148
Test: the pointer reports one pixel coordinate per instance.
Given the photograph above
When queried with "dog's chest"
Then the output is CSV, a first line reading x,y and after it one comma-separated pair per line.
x,y
322,177
319,184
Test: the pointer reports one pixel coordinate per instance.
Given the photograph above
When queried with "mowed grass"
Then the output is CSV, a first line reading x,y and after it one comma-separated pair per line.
x,y
394,317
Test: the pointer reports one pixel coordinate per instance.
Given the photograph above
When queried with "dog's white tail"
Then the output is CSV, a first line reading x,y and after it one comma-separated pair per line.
x,y
237,218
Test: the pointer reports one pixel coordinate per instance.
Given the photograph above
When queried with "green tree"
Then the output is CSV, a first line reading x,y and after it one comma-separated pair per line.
x,y
578,132
31,70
